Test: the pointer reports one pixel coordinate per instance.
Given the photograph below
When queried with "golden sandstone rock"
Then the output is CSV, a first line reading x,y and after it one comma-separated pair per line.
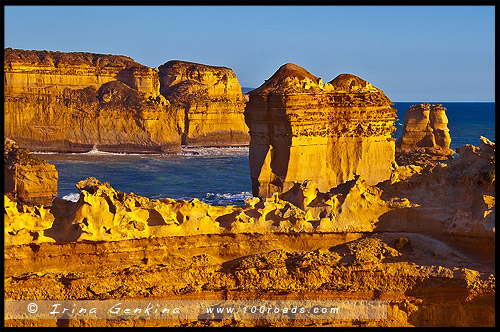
x,y
425,131
302,129
43,72
103,214
414,199
211,100
28,179
76,102
422,241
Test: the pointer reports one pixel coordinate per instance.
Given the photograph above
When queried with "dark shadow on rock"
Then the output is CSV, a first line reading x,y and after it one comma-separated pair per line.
x,y
155,218
227,219
275,140
62,229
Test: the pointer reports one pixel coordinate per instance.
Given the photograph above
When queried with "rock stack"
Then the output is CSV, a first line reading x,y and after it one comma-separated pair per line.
x,y
425,132
302,129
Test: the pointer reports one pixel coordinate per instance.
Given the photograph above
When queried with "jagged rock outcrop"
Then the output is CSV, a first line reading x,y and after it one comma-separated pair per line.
x,y
425,132
302,129
211,100
423,241
456,197
103,214
28,179
75,102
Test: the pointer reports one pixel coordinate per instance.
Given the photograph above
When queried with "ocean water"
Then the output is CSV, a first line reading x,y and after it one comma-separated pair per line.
x,y
221,176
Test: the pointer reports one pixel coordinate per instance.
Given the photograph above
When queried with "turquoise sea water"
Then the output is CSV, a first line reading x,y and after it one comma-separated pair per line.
x,y
221,176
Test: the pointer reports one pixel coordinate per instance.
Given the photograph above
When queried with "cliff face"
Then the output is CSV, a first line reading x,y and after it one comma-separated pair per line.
x,y
302,129
27,179
426,129
445,199
211,100
74,102
36,72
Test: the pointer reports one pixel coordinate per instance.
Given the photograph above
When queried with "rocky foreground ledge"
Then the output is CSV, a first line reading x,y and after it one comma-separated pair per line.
x,y
423,241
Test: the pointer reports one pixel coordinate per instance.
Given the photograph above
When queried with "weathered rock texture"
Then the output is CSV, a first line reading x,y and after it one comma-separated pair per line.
x,y
423,241
457,197
211,99
76,102
35,72
445,199
302,129
426,131
28,179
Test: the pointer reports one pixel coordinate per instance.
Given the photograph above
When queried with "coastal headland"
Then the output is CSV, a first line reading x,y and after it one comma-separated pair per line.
x,y
340,210
75,102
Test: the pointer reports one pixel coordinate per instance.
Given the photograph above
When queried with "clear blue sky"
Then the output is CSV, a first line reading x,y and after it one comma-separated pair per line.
x,y
413,53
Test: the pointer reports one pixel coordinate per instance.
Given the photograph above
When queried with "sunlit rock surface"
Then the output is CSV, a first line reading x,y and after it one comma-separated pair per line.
x,y
423,241
211,100
28,179
76,102
44,72
425,132
302,129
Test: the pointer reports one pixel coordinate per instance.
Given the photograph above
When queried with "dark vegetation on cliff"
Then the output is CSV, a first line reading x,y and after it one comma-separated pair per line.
x,y
56,59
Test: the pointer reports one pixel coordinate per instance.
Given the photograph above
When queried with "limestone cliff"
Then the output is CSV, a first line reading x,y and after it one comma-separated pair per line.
x,y
74,102
43,72
28,179
426,130
211,99
302,129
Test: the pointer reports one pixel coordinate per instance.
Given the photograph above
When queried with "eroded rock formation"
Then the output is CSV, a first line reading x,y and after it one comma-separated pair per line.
x,y
28,179
423,241
426,132
211,99
76,102
431,257
302,129
453,198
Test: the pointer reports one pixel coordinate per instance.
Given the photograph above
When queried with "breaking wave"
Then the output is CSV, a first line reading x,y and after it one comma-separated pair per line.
x,y
73,197
212,198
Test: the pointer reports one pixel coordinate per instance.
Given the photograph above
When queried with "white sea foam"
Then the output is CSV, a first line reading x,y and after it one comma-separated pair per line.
x,y
96,152
228,196
73,197
215,151
185,151
43,152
